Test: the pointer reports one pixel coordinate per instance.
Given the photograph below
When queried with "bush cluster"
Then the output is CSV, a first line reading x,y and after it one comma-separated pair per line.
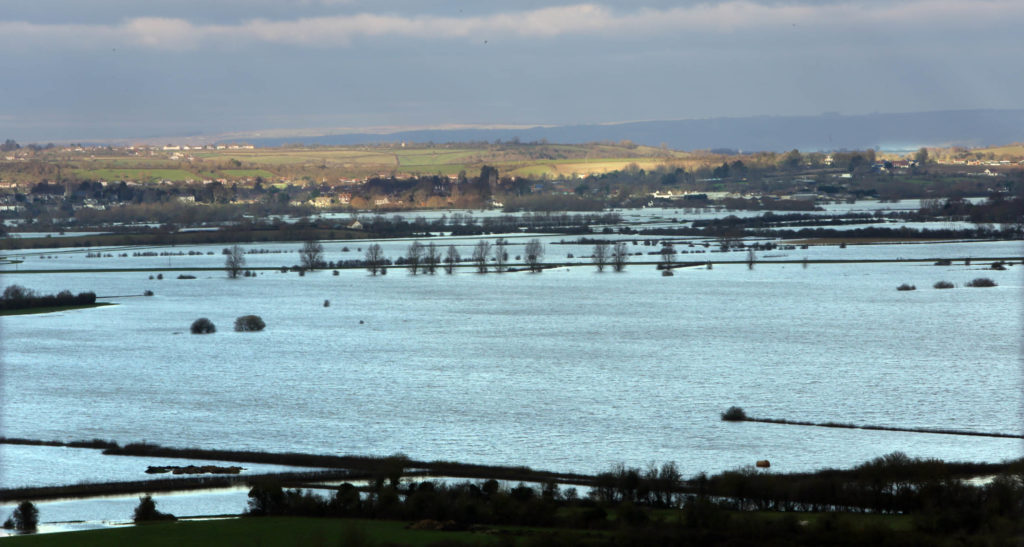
x,y
249,323
734,414
16,297
146,511
24,519
203,326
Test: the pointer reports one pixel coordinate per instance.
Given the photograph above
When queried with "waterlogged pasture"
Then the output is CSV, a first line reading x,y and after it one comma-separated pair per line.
x,y
566,370
558,249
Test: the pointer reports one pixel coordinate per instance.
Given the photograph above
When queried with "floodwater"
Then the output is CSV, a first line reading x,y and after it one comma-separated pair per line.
x,y
570,370
567,370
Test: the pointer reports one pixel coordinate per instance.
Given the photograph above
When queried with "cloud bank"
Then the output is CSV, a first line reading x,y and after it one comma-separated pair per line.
x,y
570,20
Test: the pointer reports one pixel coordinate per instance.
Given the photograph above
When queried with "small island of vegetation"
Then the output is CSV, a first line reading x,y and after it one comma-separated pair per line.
x,y
18,300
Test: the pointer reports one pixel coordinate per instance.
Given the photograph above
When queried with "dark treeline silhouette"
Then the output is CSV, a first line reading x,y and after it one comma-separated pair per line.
x,y
16,297
930,492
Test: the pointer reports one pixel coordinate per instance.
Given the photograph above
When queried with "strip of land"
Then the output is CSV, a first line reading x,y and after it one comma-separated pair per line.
x,y
52,309
939,431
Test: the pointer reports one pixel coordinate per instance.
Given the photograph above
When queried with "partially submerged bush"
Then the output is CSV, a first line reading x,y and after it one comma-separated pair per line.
x,y
249,323
186,276
943,262
943,285
146,511
734,414
982,282
25,518
998,265
906,287
203,326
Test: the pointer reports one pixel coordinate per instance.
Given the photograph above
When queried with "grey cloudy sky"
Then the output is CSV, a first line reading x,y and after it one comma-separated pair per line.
x,y
74,69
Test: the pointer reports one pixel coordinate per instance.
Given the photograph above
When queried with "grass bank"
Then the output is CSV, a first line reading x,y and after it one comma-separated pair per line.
x,y
266,532
51,309
939,431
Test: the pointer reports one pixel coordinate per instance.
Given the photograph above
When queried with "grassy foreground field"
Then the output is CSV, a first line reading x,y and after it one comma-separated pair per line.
x,y
266,532
306,531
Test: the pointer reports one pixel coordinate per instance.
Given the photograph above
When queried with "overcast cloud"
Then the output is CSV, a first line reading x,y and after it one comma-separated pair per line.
x,y
111,68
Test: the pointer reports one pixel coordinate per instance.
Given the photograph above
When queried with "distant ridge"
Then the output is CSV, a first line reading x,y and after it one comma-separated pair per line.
x,y
899,131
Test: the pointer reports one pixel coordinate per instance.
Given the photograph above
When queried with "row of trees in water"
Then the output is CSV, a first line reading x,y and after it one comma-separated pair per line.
x,y
486,256
430,258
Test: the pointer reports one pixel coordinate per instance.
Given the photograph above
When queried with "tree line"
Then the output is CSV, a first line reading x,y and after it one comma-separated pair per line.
x,y
486,257
16,297
929,493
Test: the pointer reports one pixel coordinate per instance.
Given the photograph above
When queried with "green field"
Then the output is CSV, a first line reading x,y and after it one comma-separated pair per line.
x,y
266,531
290,531
340,162
245,173
141,175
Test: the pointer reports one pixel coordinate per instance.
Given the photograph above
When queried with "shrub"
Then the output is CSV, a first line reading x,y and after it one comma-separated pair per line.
x,y
160,276
981,282
335,272
943,285
147,293
249,323
327,303
24,519
203,326
734,414
906,287
998,265
186,276
943,262
17,292
146,511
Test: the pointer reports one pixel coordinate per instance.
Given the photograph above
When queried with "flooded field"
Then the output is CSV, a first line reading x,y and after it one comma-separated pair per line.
x,y
567,370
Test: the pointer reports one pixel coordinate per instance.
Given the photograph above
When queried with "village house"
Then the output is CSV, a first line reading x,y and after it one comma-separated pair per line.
x,y
321,202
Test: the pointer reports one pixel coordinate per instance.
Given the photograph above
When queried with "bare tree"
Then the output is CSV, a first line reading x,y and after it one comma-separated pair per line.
x,y
413,256
481,252
601,256
311,255
431,258
751,258
374,258
234,260
451,258
534,254
500,255
620,255
668,257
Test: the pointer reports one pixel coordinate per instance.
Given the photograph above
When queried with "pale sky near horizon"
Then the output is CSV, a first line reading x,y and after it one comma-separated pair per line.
x,y
102,69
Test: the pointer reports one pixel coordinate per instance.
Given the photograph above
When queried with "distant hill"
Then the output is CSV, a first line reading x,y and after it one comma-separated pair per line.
x,y
903,131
